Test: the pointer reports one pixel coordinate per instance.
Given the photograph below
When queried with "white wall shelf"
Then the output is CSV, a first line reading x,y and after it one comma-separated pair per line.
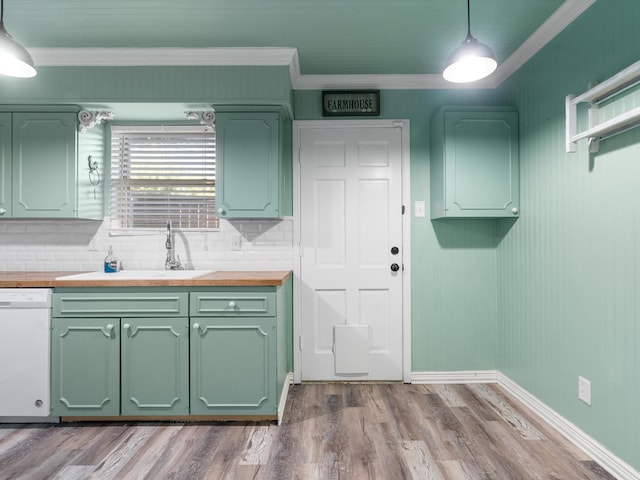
x,y
596,130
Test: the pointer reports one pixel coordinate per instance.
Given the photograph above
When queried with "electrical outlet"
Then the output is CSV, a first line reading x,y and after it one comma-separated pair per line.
x,y
584,390
236,242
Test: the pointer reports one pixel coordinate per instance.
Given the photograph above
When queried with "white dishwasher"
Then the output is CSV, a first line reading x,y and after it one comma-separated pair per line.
x,y
25,321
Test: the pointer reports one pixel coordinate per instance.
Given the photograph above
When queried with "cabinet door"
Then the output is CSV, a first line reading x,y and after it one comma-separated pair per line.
x,y
247,178
5,165
44,165
233,366
85,367
481,163
475,163
155,366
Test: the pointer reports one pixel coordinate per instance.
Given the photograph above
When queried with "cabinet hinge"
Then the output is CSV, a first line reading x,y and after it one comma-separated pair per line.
x,y
300,250
300,342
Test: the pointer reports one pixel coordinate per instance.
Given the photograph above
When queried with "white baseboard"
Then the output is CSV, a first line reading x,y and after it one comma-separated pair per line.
x,y
283,398
607,460
462,376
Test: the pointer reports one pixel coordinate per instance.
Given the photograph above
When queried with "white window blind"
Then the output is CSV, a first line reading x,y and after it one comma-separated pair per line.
x,y
163,173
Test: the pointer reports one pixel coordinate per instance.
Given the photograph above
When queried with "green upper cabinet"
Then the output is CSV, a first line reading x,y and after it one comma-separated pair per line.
x,y
40,168
475,163
5,165
44,164
248,164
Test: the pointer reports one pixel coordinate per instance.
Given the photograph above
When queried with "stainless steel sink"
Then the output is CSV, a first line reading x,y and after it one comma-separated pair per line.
x,y
138,275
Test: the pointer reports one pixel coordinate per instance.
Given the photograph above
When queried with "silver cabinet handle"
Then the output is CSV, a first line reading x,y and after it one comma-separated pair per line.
x,y
232,304
108,330
200,331
2,211
514,210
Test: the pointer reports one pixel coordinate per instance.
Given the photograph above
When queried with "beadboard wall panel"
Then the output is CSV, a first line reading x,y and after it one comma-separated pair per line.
x,y
569,269
211,84
91,184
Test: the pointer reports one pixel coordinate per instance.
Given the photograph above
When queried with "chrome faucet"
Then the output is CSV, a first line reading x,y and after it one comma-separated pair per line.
x,y
173,261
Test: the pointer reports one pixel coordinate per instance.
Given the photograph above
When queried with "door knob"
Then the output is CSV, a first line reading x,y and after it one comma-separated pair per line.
x,y
395,267
394,250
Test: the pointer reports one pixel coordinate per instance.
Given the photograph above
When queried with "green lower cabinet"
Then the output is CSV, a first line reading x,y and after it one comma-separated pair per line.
x,y
85,367
233,366
112,366
155,366
219,351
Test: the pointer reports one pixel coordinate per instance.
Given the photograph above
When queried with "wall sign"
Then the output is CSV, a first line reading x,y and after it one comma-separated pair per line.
x,y
337,103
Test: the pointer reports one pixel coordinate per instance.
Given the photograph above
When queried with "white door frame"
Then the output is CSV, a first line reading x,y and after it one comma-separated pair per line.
x,y
404,127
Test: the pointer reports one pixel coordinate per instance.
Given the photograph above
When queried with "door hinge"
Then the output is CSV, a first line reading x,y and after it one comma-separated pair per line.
x,y
300,250
300,342
402,209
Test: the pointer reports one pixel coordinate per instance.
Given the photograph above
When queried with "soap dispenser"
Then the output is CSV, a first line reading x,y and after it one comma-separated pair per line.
x,y
110,262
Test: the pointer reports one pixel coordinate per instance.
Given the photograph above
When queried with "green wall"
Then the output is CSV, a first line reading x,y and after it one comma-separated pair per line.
x,y
453,267
569,269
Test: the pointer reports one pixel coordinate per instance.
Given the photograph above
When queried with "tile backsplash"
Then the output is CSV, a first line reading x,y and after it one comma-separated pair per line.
x,y
81,245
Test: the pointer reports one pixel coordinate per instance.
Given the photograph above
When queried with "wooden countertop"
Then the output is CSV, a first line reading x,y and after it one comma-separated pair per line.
x,y
222,278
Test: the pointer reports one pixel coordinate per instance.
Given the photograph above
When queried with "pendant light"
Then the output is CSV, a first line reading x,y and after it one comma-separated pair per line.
x,y
15,61
471,61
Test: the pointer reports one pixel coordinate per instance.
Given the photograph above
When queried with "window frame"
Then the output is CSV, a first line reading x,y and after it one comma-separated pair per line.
x,y
116,226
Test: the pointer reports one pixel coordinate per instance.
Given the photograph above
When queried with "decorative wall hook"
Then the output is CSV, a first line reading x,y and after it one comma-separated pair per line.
x,y
207,118
89,120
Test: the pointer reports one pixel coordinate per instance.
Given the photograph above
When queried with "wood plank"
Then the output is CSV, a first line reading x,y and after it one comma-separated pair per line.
x,y
256,449
330,431
505,410
421,462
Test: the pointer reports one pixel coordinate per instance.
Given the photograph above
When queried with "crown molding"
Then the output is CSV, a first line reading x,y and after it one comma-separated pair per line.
x,y
108,57
556,23
382,82
272,56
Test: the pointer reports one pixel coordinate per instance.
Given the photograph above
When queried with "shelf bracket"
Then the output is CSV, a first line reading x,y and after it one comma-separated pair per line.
x,y
598,130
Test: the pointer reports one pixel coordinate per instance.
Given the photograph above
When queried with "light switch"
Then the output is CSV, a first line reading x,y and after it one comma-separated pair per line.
x,y
419,208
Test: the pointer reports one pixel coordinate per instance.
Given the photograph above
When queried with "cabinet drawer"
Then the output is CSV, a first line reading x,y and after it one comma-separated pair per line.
x,y
121,304
254,304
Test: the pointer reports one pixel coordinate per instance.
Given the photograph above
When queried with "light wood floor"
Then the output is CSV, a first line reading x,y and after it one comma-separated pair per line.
x,y
330,431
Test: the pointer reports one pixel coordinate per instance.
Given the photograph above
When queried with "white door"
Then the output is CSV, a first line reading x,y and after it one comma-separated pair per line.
x,y
351,253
